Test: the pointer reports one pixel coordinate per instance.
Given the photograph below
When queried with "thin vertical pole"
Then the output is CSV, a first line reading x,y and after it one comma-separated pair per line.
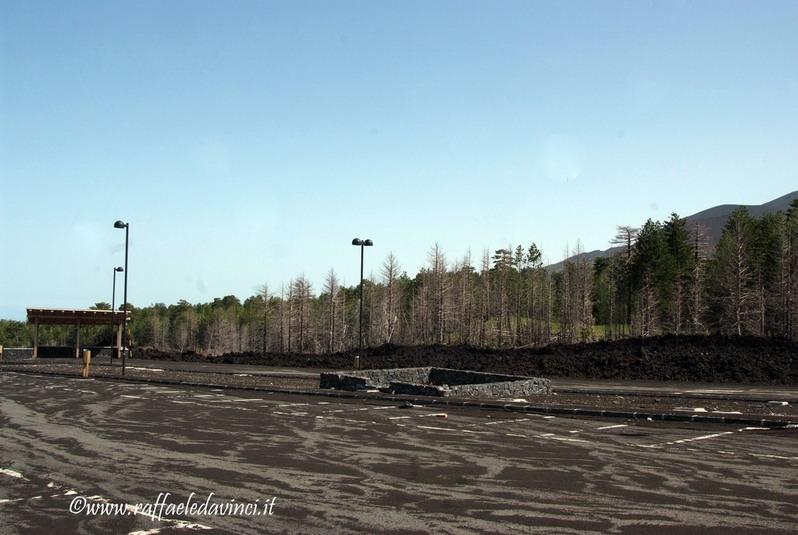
x,y
360,338
124,309
113,316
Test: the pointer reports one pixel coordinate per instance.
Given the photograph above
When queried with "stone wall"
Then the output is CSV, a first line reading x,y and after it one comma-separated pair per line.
x,y
375,378
341,381
416,390
438,382
17,353
505,389
21,353
446,376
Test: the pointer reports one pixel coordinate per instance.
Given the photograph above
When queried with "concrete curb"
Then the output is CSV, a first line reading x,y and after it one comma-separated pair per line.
x,y
449,402
639,393
104,367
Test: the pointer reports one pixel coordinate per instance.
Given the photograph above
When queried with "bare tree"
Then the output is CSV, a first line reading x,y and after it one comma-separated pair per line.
x,y
390,272
466,299
265,295
734,277
626,236
700,242
576,301
437,263
331,289
503,267
301,291
485,297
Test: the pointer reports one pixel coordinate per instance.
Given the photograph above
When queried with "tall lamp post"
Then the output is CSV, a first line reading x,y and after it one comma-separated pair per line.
x,y
126,226
362,244
113,307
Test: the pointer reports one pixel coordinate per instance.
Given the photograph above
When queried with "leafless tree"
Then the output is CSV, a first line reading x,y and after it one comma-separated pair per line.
x,y
437,270
626,236
301,293
331,289
390,272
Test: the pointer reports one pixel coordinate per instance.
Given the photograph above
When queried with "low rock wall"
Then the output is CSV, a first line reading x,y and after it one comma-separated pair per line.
x,y
428,381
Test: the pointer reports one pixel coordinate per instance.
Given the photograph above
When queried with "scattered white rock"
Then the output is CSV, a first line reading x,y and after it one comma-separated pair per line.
x,y
12,473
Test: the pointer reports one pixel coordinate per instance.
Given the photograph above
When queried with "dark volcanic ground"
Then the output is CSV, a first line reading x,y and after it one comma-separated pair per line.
x,y
695,399
709,359
344,466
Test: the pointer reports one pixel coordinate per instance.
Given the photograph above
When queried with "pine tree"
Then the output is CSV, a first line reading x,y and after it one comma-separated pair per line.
x,y
677,237
732,279
653,275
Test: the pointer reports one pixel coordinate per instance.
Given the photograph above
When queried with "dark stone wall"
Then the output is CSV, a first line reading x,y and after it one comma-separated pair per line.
x,y
438,382
341,381
445,376
506,389
17,353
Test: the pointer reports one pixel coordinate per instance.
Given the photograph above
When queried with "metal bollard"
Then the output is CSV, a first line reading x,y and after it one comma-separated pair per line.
x,y
86,363
357,362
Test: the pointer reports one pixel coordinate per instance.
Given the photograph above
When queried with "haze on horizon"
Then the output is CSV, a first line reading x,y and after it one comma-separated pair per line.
x,y
248,143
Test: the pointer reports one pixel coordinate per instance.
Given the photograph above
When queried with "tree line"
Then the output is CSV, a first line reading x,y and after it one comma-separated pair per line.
x,y
667,278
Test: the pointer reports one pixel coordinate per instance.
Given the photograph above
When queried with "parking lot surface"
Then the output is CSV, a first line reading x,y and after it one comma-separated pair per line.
x,y
337,465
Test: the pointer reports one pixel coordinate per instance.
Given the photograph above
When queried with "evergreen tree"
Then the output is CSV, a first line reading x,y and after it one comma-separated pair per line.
x,y
732,281
682,260
653,273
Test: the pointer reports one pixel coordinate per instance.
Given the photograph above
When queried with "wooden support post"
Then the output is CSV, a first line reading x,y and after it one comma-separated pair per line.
x,y
36,339
77,342
86,363
118,340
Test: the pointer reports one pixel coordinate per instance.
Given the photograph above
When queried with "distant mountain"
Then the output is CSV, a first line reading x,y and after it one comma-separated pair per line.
x,y
712,220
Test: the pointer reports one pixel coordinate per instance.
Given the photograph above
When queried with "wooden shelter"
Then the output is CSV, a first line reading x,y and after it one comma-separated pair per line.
x,y
55,316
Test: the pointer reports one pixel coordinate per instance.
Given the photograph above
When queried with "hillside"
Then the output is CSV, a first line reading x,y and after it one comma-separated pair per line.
x,y
712,220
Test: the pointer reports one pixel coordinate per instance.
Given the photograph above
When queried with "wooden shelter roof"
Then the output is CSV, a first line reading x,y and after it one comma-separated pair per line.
x,y
59,316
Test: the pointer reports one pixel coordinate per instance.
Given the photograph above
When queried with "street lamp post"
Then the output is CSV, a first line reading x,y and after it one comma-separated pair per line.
x,y
113,307
362,244
126,226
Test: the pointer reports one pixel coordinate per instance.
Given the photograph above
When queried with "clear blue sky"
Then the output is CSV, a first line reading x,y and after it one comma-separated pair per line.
x,y
249,142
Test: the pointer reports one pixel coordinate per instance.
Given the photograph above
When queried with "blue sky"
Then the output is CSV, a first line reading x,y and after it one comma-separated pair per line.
x,y
249,142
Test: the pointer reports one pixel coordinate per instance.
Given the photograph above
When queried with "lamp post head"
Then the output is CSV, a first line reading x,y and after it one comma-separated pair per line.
x,y
120,224
357,241
120,268
368,243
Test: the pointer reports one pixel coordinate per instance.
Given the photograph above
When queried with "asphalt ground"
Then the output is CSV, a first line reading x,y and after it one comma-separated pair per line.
x,y
198,367
753,402
652,388
350,466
